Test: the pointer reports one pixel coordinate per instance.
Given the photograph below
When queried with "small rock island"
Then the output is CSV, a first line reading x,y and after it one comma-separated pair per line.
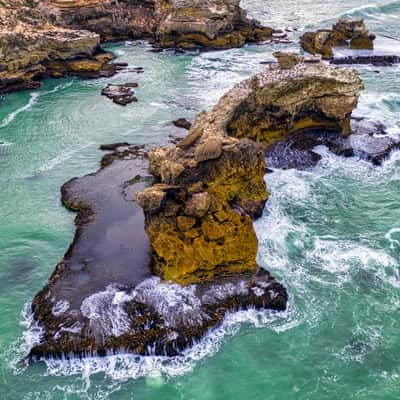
x,y
179,249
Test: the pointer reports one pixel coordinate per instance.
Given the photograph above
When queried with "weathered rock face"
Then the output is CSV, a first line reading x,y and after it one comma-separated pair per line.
x,y
32,48
345,32
112,20
198,217
170,23
58,37
215,24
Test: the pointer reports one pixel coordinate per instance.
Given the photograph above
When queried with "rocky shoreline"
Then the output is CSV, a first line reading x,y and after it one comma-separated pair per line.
x,y
40,39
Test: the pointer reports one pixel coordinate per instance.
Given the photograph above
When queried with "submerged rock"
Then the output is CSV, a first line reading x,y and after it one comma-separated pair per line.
x,y
377,60
350,33
122,94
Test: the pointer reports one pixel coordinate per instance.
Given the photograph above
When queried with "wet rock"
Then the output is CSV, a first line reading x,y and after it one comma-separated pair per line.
x,y
120,94
376,60
182,123
368,140
113,146
350,33
102,298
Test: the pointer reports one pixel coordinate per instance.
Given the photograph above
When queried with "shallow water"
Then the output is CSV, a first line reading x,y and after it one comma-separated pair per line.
x,y
332,235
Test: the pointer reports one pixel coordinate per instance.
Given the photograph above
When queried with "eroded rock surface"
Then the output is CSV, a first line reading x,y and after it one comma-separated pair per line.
x,y
32,48
40,38
119,290
171,23
368,141
350,33
211,183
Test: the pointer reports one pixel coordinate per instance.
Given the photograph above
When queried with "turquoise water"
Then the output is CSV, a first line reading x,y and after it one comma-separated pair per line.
x,y
331,235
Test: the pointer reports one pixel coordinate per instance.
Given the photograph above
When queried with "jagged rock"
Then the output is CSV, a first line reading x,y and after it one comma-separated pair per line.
x,y
32,48
212,24
198,219
121,94
222,163
172,23
368,140
40,38
346,32
377,60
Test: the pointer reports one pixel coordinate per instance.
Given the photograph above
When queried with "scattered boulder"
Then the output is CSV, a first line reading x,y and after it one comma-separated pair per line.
x,y
122,94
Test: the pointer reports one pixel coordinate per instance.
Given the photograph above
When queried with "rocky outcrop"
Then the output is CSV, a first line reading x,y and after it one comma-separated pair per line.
x,y
40,38
169,23
345,33
161,292
199,215
102,297
368,141
32,48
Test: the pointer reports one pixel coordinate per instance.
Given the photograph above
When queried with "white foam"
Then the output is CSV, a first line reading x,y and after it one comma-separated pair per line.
x,y
106,313
127,366
60,308
34,97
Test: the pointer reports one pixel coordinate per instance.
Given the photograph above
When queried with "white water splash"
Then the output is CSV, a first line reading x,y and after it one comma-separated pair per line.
x,y
34,97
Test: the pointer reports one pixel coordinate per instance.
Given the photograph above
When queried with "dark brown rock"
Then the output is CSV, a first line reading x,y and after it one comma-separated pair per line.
x,y
122,94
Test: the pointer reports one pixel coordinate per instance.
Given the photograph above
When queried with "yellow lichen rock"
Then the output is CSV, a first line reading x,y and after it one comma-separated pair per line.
x,y
199,218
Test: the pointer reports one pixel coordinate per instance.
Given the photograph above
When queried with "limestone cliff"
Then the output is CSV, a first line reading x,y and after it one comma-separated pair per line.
x,y
198,217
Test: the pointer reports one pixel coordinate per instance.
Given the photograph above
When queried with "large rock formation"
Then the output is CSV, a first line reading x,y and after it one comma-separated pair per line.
x,y
170,23
40,38
32,48
198,217
119,290
102,297
345,33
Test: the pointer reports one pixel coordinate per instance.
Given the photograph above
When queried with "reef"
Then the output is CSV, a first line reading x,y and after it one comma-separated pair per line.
x,y
103,298
40,38
350,33
165,245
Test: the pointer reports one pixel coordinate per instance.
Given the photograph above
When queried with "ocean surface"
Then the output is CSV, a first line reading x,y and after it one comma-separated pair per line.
x,y
331,235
